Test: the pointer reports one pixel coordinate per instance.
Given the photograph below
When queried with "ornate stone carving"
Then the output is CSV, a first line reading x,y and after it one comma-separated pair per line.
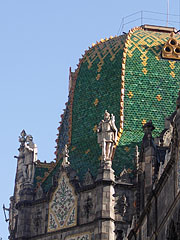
x,y
22,139
161,170
107,135
63,206
124,176
121,205
168,136
88,180
27,157
30,156
65,156
148,139
39,193
88,206
136,159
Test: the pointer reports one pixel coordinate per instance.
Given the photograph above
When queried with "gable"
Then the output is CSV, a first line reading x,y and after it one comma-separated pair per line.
x,y
62,206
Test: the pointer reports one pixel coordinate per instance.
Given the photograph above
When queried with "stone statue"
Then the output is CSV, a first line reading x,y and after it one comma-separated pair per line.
x,y
65,156
123,204
136,159
107,135
30,156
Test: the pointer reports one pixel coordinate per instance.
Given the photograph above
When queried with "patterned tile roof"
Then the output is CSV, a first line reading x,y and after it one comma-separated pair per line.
x,y
126,76
151,87
42,170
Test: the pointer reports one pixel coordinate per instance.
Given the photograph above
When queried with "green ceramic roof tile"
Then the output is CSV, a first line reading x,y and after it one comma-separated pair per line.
x,y
48,182
154,90
39,174
151,87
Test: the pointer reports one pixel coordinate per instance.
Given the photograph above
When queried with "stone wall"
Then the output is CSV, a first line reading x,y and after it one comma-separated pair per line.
x,y
160,214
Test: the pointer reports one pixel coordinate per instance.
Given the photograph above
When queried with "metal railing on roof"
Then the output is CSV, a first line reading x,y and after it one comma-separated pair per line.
x,y
148,17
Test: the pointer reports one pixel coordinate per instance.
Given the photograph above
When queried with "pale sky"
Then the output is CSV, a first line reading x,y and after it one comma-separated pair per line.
x,y
40,40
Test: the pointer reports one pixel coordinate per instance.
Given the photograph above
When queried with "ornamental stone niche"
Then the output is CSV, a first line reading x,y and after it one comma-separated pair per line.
x,y
62,206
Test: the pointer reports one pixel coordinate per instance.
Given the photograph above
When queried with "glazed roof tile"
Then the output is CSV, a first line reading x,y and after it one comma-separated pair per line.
x,y
129,70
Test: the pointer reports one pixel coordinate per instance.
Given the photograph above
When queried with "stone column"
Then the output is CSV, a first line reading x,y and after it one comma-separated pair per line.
x,y
24,190
24,211
105,215
149,158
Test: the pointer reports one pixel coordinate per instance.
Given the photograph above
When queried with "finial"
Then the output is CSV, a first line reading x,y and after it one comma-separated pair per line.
x,y
22,137
23,133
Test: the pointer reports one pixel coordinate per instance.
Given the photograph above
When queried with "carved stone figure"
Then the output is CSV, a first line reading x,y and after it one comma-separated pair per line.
x,y
107,135
88,179
168,136
30,156
137,158
88,206
65,156
121,205
37,220
39,193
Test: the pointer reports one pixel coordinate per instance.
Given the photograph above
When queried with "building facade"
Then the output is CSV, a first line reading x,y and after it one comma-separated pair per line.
x,y
117,170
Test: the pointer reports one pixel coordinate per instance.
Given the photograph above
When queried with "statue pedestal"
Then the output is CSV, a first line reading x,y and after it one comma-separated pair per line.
x,y
106,163
105,174
104,213
24,206
26,192
105,171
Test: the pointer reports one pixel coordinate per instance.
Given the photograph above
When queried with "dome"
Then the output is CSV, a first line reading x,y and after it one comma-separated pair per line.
x,y
127,76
